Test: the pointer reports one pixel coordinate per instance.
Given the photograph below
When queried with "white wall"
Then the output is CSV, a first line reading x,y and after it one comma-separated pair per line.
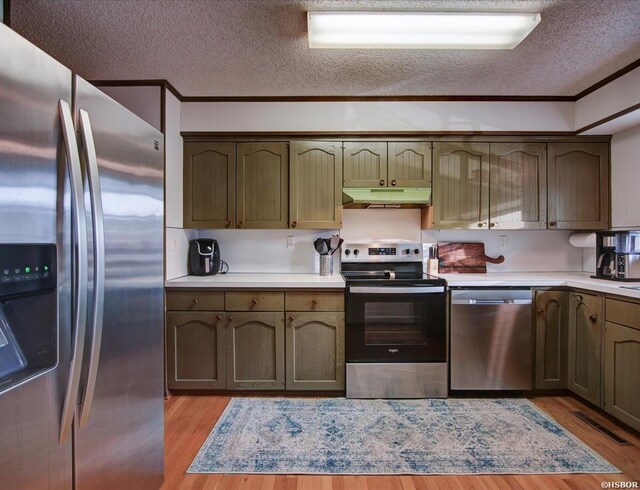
x,y
526,250
377,116
144,101
614,97
625,179
266,250
173,159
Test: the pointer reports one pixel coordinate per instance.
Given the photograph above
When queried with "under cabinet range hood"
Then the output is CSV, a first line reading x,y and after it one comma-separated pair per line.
x,y
361,197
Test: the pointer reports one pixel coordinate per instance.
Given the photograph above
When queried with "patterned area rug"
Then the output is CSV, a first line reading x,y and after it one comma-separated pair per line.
x,y
340,436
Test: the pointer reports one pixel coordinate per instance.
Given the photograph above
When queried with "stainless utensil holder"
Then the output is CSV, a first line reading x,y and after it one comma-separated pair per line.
x,y
326,265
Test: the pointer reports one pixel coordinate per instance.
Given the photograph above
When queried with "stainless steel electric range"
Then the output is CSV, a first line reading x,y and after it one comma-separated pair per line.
x,y
396,328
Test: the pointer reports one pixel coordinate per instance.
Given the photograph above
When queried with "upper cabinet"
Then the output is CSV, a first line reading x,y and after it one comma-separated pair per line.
x,y
393,164
461,185
518,186
209,184
365,164
409,164
579,186
263,185
315,199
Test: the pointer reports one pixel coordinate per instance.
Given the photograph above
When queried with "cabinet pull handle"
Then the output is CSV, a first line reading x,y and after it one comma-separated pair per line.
x,y
195,301
593,318
393,182
230,319
241,224
229,224
381,181
314,302
553,223
293,224
254,301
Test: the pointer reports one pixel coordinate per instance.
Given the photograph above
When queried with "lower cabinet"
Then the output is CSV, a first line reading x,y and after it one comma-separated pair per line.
x,y
622,360
195,350
552,308
315,351
245,347
255,351
585,345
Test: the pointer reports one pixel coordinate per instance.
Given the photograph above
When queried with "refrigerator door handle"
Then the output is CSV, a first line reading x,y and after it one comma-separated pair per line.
x,y
79,223
97,214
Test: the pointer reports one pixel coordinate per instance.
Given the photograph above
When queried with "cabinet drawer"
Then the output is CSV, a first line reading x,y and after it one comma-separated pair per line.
x,y
316,301
191,300
623,312
255,301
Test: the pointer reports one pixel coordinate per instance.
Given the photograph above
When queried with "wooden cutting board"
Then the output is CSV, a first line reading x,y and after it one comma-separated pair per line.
x,y
464,258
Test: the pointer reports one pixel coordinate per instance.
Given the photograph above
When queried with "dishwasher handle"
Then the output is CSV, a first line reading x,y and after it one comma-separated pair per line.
x,y
491,302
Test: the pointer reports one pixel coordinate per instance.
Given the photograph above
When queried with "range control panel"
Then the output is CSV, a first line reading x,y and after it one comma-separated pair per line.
x,y
27,268
375,252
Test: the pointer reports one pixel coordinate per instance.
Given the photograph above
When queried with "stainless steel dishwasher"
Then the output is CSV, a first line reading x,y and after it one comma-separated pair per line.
x,y
491,339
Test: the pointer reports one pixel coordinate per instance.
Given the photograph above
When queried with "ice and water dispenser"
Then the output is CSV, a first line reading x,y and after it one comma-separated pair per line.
x,y
28,312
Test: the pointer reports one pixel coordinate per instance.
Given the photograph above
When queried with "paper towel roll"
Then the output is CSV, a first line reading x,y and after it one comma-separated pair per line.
x,y
583,240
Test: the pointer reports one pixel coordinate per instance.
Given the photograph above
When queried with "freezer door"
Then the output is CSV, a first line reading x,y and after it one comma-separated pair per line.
x,y
119,426
35,208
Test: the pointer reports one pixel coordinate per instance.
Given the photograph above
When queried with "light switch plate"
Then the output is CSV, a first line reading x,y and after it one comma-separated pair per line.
x,y
291,242
502,244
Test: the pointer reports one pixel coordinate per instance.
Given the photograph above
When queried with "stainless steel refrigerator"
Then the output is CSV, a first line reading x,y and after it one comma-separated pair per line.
x,y
81,277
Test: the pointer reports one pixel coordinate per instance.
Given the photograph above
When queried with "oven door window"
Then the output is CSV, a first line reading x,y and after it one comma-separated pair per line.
x,y
397,323
396,327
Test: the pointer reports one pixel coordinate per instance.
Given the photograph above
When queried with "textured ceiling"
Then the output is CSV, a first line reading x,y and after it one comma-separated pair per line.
x,y
259,47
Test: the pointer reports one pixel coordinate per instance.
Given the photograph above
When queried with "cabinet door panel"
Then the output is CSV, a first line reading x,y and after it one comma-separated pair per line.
x,y
409,164
621,373
518,186
263,185
255,351
578,186
316,185
585,344
315,351
365,164
461,185
195,350
551,339
209,185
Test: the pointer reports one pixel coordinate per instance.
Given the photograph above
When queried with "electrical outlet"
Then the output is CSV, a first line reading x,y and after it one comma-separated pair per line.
x,y
291,242
503,242
174,245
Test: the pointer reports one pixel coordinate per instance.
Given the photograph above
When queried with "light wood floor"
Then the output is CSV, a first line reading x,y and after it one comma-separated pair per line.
x,y
189,419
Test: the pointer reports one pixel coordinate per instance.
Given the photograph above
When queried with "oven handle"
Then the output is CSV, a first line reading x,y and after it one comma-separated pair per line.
x,y
491,302
397,290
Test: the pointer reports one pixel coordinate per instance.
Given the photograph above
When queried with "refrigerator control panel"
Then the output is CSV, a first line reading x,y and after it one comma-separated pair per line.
x,y
27,268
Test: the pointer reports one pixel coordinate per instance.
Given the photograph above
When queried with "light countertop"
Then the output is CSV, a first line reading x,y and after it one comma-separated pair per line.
x,y
314,281
259,281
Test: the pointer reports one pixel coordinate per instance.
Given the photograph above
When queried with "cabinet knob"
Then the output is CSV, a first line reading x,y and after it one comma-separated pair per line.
x,y
381,181
230,318
229,224
480,225
254,301
393,182
593,318
290,318
241,224
540,312
314,302
293,224
218,317
493,225
553,223
195,301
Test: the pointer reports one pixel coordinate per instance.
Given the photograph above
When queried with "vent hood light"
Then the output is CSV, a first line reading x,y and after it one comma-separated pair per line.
x,y
419,30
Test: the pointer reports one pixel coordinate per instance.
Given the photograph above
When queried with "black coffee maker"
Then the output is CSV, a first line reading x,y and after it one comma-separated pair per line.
x,y
204,257
606,255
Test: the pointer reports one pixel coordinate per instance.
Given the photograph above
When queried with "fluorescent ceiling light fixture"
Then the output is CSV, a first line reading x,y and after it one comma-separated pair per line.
x,y
419,30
